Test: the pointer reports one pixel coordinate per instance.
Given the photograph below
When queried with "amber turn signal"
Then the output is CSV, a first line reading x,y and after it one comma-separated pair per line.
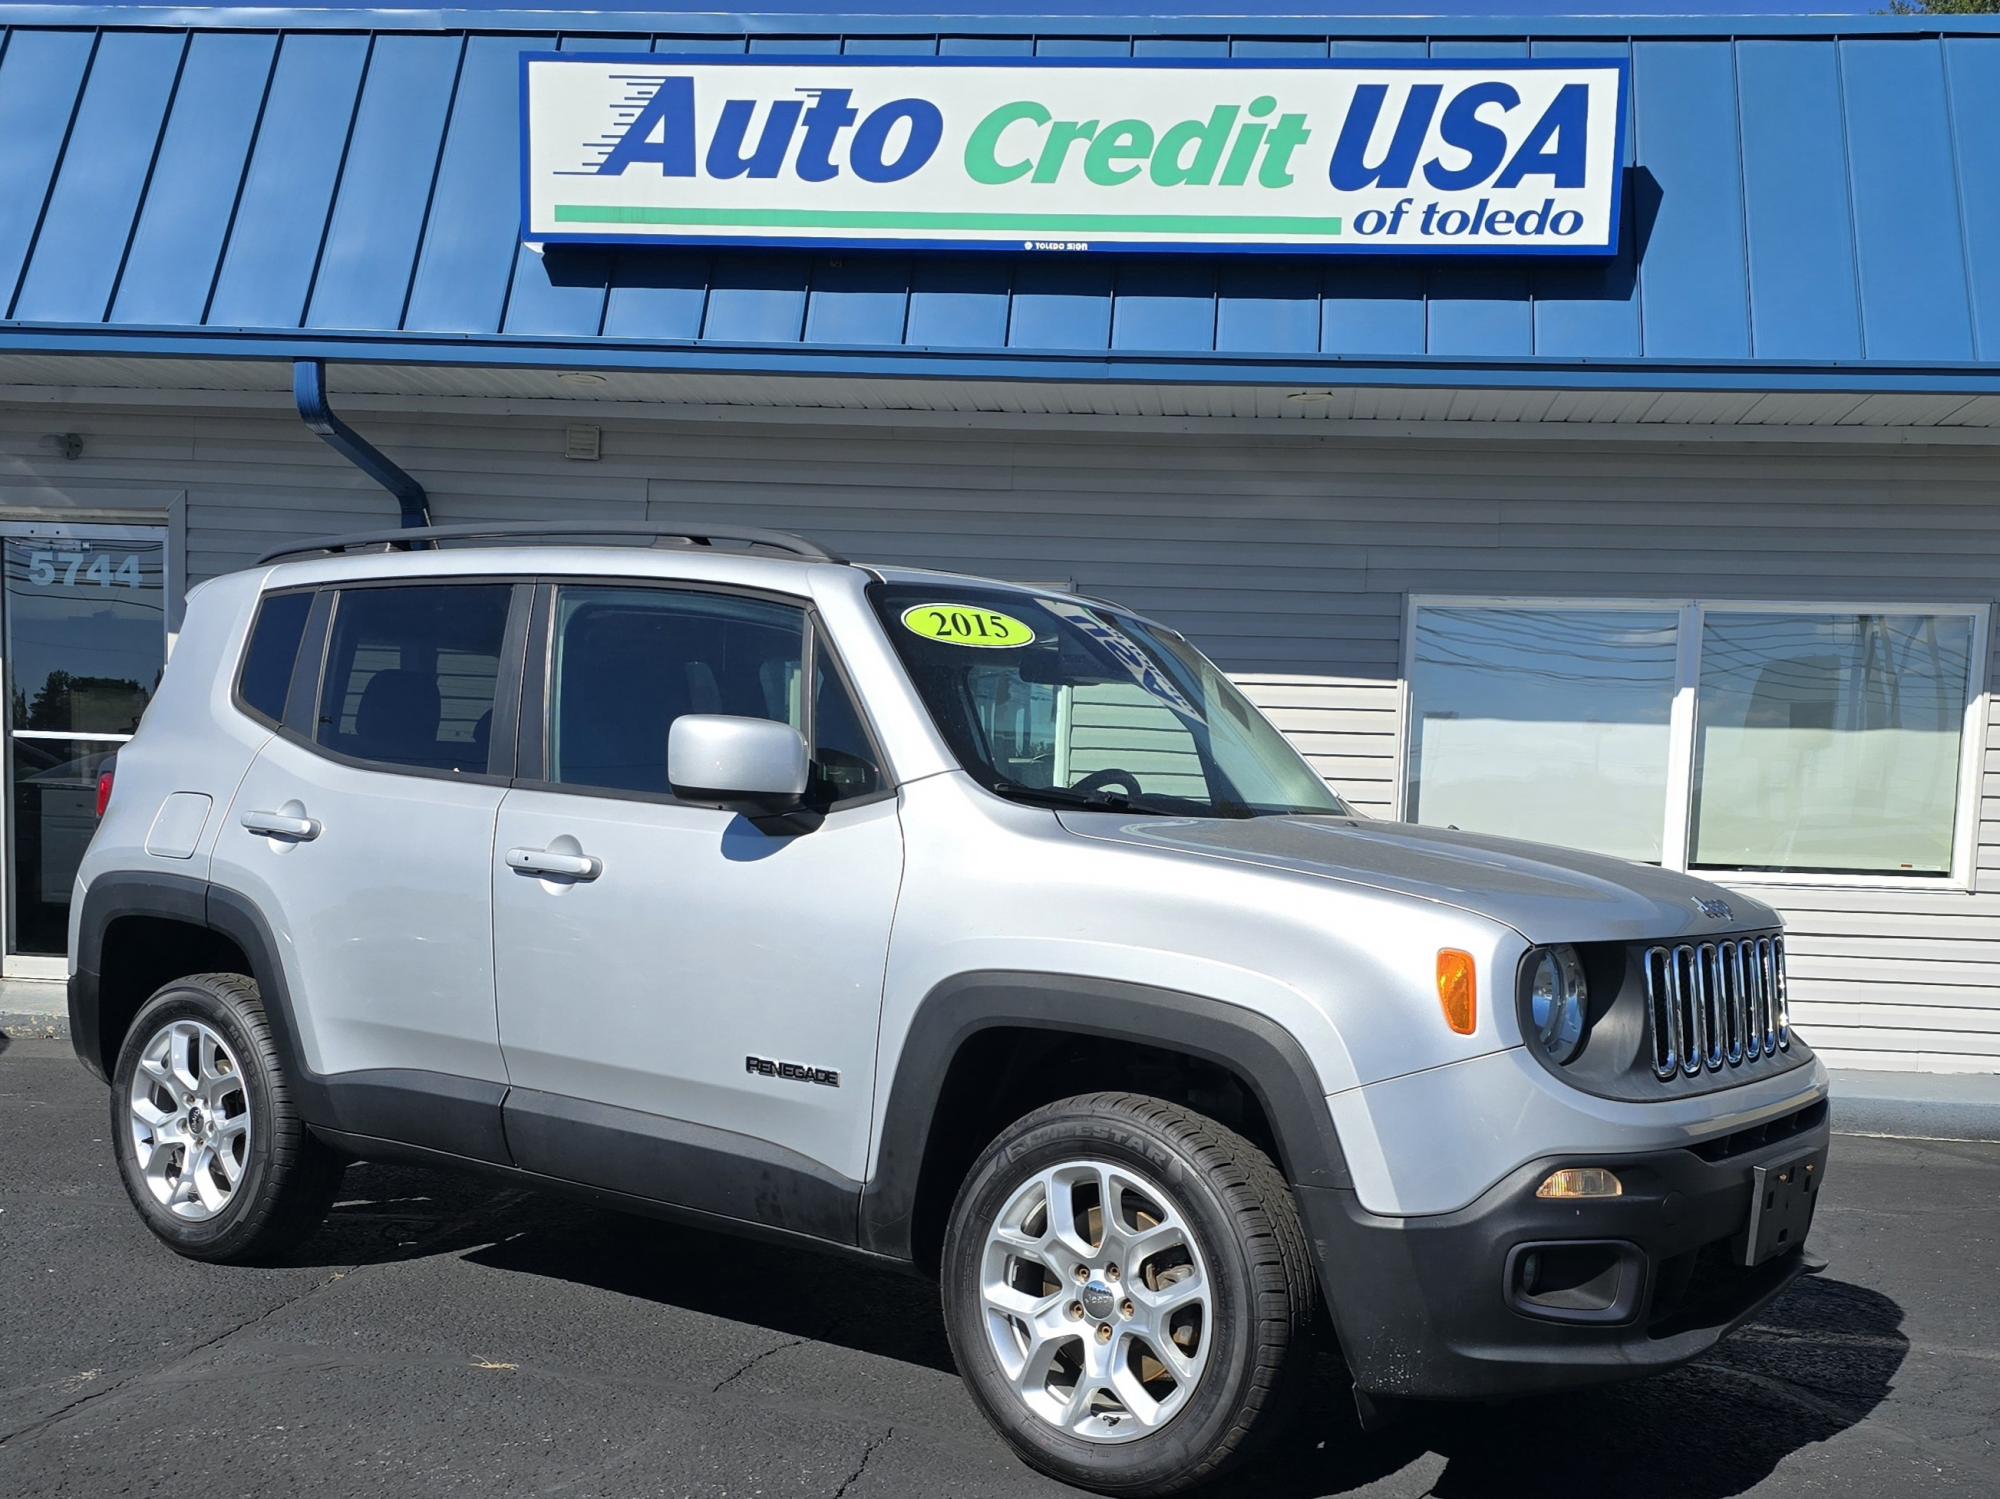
x,y
1458,990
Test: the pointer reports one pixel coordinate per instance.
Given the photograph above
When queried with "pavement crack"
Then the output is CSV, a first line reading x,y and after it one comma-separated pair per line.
x,y
754,1360
875,1444
62,1413
441,1234
1835,1406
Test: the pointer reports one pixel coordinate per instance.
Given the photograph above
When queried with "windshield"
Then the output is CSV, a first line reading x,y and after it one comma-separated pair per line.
x,y
1067,702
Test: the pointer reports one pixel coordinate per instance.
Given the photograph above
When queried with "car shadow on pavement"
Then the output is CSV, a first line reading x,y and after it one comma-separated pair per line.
x,y
393,1212
1814,1362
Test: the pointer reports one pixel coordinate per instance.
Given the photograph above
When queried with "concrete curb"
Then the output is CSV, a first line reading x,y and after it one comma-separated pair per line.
x,y
1917,1105
34,1008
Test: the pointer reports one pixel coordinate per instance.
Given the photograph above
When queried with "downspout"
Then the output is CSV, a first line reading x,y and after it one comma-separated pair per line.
x,y
309,390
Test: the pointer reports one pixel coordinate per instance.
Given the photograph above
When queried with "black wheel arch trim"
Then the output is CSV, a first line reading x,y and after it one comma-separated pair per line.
x,y
109,898
454,1114
1262,1054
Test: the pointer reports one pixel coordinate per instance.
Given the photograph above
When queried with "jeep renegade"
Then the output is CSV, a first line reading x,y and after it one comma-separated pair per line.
x,y
979,928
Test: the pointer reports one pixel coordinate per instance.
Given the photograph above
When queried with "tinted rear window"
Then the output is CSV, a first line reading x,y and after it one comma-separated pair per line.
x,y
411,674
273,651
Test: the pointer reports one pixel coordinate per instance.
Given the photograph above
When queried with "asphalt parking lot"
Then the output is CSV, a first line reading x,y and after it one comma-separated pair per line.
x,y
442,1336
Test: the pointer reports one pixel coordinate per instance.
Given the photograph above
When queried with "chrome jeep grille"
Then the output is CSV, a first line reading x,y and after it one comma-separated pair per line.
x,y
1716,1004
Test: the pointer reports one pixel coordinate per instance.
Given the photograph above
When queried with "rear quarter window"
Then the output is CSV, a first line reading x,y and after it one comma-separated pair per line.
x,y
271,654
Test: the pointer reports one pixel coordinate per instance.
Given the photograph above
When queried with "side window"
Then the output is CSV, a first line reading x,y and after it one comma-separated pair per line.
x,y
411,673
844,764
272,652
628,661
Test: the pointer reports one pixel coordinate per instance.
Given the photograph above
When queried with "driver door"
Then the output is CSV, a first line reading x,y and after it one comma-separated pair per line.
x,y
693,1021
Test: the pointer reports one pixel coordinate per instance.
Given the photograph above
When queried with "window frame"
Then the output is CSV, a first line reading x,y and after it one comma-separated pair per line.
x,y
537,688
1677,825
302,712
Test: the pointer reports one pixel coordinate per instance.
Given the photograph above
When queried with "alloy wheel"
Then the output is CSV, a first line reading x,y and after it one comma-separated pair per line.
x,y
1096,1300
189,1111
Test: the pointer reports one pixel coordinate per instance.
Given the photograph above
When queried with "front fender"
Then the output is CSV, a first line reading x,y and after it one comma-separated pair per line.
x,y
1264,1056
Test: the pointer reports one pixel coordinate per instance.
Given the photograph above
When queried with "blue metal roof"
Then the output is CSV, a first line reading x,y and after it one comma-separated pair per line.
x,y
1810,203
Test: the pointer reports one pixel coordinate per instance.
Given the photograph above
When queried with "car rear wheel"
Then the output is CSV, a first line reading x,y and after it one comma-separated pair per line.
x,y
211,1148
1127,1292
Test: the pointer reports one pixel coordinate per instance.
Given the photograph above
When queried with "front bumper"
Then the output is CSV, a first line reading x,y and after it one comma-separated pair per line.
x,y
1432,1307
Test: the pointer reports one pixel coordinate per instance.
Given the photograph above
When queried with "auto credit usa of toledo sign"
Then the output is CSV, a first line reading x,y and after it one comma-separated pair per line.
x,y
1414,158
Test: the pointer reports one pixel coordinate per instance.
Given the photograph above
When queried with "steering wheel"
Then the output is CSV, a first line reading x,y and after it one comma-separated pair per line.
x,y
1098,780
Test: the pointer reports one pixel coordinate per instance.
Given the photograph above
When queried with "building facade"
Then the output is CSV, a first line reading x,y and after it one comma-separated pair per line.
x,y
1686,549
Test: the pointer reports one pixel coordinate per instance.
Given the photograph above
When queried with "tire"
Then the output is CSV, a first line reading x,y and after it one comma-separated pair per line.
x,y
1223,1240
261,1183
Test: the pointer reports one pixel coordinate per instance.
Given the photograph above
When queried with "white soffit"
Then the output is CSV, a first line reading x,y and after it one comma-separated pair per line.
x,y
85,379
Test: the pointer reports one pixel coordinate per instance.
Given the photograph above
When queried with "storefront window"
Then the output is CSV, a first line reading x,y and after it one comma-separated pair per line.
x,y
1808,741
83,641
1829,742
1549,724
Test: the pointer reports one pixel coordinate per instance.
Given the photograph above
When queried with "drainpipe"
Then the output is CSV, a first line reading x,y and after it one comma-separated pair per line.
x,y
309,390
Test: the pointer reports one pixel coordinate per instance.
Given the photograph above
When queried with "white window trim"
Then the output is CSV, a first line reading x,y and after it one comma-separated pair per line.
x,y
1681,724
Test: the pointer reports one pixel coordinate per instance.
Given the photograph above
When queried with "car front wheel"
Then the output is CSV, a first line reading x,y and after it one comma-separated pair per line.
x,y
1127,1292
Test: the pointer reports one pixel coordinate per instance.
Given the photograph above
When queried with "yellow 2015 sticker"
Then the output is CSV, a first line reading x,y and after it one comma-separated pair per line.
x,y
962,624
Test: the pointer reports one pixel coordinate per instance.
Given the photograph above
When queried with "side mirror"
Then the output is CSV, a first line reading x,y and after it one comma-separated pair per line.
x,y
748,765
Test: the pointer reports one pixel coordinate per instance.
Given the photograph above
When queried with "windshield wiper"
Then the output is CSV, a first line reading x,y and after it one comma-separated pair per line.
x,y
1089,801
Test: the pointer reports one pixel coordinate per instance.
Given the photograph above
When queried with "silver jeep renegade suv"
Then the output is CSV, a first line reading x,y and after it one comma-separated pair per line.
x,y
979,928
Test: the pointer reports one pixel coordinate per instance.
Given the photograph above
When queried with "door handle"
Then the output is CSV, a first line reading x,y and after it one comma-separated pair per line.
x,y
539,861
279,825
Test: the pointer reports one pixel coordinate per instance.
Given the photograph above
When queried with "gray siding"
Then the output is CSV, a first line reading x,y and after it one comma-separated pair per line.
x,y
1288,557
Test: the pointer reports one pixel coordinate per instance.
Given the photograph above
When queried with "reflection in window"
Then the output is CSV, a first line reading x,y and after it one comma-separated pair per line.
x,y
1830,742
54,814
1020,722
1546,724
843,764
272,653
85,642
412,672
86,632
1098,702
629,661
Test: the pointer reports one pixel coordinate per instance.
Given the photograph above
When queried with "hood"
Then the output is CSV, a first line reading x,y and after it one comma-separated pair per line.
x,y
1546,894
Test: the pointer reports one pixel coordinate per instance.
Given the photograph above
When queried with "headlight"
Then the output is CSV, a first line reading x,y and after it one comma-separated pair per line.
x,y
1557,1000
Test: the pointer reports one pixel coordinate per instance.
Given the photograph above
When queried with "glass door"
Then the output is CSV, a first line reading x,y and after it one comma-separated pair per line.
x,y
83,640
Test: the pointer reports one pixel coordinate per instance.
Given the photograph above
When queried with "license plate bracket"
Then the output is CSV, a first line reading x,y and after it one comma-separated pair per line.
x,y
1782,1198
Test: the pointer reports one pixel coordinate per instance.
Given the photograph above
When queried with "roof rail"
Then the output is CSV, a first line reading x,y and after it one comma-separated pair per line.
x,y
409,537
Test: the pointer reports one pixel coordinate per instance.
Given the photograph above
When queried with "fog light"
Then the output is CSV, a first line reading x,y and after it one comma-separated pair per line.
x,y
1581,1181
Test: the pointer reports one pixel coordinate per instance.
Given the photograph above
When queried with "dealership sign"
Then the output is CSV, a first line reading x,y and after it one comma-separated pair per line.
x,y
1415,158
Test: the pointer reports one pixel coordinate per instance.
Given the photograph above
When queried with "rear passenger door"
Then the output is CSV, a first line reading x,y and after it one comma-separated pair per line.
x,y
695,1020
363,834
